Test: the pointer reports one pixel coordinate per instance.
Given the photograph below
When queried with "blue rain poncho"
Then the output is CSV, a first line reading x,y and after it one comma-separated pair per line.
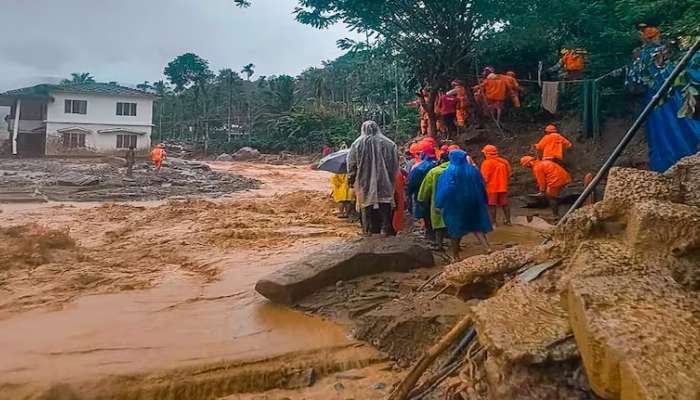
x,y
415,180
461,195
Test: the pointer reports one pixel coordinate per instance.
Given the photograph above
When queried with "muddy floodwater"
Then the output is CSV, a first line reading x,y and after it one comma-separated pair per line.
x,y
138,289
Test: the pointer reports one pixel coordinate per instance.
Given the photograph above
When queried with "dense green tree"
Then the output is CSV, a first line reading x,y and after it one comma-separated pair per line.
x,y
431,38
186,70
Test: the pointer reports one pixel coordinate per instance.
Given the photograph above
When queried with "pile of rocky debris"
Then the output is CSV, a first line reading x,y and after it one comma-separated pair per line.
x,y
609,308
105,179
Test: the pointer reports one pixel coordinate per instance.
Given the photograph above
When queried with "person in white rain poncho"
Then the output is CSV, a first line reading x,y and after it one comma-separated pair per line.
x,y
373,161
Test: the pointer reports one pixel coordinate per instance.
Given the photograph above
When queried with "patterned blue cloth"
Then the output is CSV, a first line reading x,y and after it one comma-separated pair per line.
x,y
461,195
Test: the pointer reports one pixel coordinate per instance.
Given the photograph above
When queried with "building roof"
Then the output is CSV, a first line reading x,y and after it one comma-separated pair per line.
x,y
44,91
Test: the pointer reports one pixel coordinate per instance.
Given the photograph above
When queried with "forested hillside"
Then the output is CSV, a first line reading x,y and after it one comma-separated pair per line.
x,y
418,46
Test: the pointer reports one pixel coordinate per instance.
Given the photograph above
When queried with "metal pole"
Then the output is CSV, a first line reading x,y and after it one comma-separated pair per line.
x,y
15,128
634,128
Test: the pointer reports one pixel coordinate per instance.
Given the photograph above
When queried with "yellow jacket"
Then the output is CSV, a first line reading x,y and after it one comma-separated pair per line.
x,y
341,189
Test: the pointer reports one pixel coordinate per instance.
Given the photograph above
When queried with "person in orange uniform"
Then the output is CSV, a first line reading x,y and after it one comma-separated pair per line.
x,y
573,63
649,34
495,91
551,178
400,200
460,92
552,145
513,88
158,155
496,172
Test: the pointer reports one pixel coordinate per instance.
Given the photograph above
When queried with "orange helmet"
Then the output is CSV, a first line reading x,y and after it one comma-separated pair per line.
x,y
490,150
454,147
550,129
415,148
525,161
428,148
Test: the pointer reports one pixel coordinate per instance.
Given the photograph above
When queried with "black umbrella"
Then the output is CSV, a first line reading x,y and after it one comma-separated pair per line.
x,y
335,163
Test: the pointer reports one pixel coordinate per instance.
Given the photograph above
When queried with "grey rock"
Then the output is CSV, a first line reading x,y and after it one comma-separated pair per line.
x,y
246,154
379,386
343,261
224,157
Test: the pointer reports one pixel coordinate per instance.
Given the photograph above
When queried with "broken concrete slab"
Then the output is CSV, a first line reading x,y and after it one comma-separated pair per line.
x,y
342,262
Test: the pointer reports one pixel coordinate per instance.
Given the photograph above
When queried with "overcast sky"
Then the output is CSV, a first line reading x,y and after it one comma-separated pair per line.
x,y
130,41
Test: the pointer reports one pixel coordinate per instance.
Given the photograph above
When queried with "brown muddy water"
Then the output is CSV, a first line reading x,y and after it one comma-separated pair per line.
x,y
155,300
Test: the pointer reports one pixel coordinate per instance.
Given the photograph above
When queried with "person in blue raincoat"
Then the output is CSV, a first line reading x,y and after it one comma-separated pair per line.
x,y
415,179
461,197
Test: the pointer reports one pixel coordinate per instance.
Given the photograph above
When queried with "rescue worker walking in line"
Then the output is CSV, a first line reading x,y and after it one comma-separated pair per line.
x,y
514,88
460,92
494,90
552,145
496,172
158,155
551,178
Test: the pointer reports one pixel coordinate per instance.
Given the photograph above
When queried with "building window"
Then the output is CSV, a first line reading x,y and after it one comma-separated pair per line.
x,y
128,109
75,106
126,141
73,140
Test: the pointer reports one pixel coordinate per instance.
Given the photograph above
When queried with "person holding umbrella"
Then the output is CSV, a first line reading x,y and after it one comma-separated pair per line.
x,y
373,161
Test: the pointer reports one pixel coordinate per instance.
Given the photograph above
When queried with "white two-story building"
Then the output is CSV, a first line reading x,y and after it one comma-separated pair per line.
x,y
78,119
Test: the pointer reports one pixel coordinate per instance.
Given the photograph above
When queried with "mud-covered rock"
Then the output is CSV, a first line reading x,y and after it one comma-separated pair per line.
x,y
405,328
342,262
76,179
627,185
224,157
483,266
246,154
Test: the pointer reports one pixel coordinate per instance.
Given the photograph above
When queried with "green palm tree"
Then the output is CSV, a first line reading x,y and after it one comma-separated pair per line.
x,y
248,70
79,77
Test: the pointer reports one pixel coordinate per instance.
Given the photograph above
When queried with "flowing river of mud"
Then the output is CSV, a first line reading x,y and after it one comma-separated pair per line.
x,y
152,291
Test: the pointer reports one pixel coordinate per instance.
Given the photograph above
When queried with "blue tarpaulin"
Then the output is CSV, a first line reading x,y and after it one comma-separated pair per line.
x,y
670,138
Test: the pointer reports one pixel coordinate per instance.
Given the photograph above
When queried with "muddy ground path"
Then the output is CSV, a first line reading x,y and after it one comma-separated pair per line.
x,y
155,299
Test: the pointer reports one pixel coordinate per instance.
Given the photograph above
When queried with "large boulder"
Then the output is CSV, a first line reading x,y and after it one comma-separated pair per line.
x,y
342,262
224,157
246,154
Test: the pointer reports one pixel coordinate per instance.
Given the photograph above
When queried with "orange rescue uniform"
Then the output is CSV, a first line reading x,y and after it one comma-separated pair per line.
x,y
496,171
552,146
157,156
513,89
550,176
495,89
573,62
462,104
